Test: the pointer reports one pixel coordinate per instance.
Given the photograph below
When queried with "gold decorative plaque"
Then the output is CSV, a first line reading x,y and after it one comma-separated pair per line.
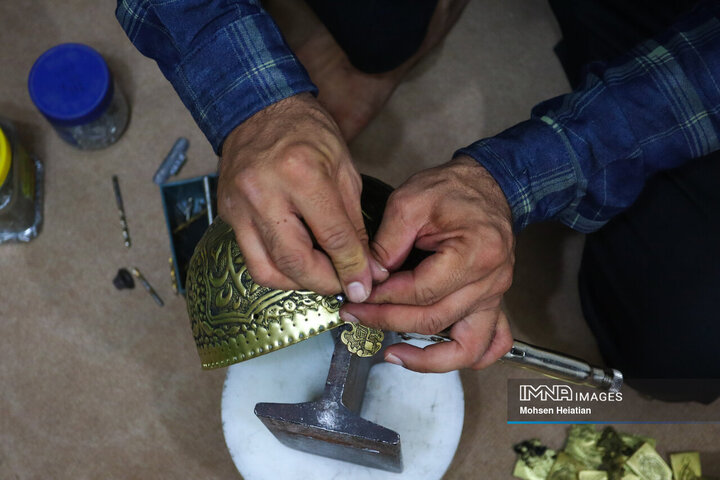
x,y
235,319
361,340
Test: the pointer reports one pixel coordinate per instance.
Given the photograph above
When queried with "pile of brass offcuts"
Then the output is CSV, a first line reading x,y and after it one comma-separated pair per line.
x,y
590,454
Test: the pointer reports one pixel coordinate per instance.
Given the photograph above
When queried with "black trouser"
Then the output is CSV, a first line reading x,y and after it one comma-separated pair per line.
x,y
377,35
650,279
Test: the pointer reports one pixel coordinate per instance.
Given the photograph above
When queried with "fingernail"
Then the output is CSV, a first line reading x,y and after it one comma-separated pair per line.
x,y
380,267
347,317
380,273
390,358
356,292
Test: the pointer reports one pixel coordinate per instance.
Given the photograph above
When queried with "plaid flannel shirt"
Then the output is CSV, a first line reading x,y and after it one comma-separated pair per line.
x,y
226,59
581,158
584,157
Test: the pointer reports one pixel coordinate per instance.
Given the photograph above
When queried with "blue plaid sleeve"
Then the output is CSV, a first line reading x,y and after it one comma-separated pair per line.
x,y
226,59
584,157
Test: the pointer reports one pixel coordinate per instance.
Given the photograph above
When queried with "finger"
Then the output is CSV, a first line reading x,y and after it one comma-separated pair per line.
x,y
379,273
438,275
427,320
325,214
403,288
397,233
350,191
471,338
501,343
258,261
291,251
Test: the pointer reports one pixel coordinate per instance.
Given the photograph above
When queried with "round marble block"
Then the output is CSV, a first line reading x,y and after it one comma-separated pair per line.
x,y
427,411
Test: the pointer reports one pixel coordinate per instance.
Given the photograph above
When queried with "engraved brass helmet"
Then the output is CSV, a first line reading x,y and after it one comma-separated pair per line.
x,y
234,319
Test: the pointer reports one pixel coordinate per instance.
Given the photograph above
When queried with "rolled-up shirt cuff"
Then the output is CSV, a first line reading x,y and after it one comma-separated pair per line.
x,y
533,169
244,67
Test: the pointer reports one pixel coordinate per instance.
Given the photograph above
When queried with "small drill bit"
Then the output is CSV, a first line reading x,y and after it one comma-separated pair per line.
x,y
121,210
147,286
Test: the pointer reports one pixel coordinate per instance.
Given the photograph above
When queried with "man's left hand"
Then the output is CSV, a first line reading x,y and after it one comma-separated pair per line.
x,y
459,212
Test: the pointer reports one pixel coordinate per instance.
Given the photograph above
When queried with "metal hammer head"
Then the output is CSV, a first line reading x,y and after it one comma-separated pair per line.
x,y
331,426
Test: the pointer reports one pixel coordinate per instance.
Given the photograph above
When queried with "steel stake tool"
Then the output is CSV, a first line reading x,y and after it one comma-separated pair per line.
x,y
331,426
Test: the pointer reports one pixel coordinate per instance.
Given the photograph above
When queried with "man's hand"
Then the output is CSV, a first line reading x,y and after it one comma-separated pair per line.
x,y
457,211
287,170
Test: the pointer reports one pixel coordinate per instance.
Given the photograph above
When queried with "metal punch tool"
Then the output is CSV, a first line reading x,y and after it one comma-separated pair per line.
x,y
548,362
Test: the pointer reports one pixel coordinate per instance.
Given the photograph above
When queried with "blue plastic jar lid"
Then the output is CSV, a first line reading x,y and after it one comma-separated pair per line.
x,y
70,84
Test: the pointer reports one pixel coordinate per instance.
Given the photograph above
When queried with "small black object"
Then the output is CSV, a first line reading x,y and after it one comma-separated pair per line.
x,y
123,279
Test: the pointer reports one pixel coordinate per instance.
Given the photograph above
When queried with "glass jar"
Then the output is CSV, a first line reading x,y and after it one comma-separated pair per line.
x,y
73,88
20,192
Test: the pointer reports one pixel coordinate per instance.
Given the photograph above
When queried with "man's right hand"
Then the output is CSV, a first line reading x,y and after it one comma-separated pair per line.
x,y
283,171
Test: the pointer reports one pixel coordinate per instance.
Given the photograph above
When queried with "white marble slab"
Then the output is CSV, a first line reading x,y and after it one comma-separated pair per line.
x,y
427,411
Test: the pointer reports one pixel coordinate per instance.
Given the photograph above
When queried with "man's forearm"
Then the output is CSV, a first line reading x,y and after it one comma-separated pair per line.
x,y
584,157
227,60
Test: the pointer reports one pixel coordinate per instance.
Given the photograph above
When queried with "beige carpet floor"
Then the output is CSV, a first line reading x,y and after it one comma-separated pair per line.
x,y
100,383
